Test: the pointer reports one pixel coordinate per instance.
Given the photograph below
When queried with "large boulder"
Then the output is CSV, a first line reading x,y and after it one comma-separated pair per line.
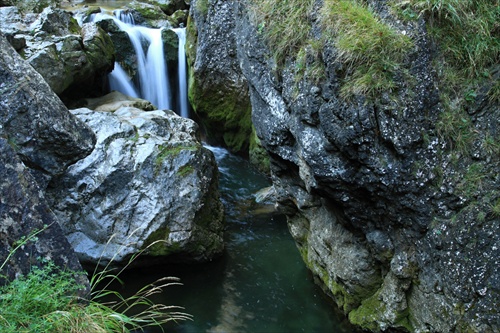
x,y
64,53
148,185
39,138
35,121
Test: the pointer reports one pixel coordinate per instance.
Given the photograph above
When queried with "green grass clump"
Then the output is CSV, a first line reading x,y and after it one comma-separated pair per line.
x,y
455,126
40,302
468,32
46,300
284,24
372,49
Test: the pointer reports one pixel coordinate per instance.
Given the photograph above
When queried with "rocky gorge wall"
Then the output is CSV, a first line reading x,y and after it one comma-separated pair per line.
x,y
397,222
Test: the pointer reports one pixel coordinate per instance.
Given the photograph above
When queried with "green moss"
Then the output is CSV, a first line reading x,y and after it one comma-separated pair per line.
x,y
258,155
342,297
368,313
157,245
148,11
191,42
372,310
202,7
167,151
224,113
185,170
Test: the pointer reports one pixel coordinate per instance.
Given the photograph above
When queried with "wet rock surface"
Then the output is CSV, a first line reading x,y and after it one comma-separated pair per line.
x,y
35,121
148,185
39,138
398,229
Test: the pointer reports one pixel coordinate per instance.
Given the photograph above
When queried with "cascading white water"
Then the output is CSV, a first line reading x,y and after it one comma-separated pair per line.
x,y
181,56
120,81
151,66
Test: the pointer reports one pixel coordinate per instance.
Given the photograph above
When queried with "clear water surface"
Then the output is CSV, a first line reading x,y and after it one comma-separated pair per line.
x,y
260,284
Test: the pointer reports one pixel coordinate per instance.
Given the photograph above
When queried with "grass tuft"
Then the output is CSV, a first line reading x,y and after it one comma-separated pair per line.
x,y
468,32
283,24
373,50
45,300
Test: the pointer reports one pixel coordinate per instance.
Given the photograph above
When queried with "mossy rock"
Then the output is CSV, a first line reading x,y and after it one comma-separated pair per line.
x,y
258,155
170,46
169,6
223,113
179,18
148,15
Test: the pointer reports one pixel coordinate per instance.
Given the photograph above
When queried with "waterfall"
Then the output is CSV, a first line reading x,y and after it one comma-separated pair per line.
x,y
151,66
120,81
181,68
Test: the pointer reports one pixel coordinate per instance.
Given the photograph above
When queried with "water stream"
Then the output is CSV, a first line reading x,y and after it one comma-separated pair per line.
x,y
153,80
260,284
182,73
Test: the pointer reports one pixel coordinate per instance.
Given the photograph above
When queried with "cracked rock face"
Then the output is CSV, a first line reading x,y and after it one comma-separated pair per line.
x,y
39,138
383,212
35,121
148,185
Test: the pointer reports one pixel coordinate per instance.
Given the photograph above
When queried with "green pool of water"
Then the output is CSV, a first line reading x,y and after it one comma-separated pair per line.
x,y
260,284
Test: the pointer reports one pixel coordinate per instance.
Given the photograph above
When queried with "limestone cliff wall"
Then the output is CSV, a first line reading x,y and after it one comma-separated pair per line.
x,y
398,222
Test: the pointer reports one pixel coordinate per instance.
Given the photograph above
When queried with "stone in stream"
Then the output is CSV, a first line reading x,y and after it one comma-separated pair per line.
x,y
148,184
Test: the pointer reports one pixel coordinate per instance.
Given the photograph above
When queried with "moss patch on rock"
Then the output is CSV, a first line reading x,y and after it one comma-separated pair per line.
x,y
224,114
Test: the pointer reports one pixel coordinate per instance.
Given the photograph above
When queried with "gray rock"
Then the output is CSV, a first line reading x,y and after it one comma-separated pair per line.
x,y
27,221
62,52
39,138
148,180
218,91
148,15
34,120
170,6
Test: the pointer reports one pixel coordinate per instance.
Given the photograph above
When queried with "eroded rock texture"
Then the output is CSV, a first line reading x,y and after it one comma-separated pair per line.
x,y
148,181
39,138
35,121
64,53
29,232
398,225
